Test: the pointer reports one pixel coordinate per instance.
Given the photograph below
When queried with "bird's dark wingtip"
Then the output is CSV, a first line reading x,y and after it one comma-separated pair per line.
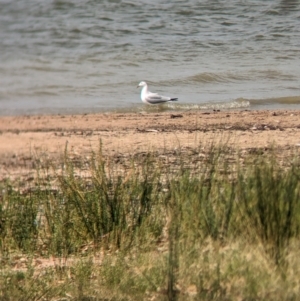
x,y
174,99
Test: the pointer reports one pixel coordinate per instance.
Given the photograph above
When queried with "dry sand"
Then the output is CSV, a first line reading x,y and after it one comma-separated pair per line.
x,y
23,138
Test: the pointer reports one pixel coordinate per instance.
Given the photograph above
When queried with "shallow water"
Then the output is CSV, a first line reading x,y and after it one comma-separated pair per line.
x,y
88,56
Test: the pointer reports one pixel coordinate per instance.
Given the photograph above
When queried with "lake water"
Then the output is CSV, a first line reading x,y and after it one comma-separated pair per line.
x,y
88,56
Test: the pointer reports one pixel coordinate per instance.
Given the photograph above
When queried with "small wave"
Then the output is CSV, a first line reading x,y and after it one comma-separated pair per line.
x,y
186,13
229,77
123,45
272,74
63,5
272,12
208,77
228,23
289,100
45,69
235,104
35,93
259,37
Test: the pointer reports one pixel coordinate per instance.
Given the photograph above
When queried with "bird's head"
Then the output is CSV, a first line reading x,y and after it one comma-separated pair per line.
x,y
142,84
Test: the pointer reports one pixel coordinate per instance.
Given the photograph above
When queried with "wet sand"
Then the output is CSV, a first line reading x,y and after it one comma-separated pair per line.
x,y
25,138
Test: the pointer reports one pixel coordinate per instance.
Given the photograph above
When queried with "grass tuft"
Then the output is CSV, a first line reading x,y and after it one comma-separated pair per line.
x,y
98,229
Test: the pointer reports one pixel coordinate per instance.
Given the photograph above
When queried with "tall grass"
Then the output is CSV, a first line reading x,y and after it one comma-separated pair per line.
x,y
270,200
221,230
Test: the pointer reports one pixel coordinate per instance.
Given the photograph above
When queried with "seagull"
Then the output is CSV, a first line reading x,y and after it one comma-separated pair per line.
x,y
152,98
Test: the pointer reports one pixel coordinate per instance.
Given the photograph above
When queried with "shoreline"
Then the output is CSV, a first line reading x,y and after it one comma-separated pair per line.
x,y
23,138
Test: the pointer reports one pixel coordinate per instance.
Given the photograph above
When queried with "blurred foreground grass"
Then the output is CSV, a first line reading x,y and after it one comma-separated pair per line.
x,y
214,228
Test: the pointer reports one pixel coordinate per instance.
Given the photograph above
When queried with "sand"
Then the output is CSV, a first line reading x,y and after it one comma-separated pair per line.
x,y
25,138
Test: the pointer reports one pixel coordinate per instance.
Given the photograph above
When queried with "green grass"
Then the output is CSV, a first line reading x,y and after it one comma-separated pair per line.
x,y
221,229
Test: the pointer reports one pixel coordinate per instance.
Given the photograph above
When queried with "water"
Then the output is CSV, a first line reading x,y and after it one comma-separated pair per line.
x,y
88,56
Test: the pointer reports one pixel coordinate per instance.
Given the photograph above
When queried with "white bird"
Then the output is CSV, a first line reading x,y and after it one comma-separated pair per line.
x,y
152,98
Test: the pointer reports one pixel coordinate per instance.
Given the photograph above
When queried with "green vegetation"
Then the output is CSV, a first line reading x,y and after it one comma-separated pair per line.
x,y
152,228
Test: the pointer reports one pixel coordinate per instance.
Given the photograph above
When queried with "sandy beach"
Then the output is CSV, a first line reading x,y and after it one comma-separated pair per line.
x,y
25,138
